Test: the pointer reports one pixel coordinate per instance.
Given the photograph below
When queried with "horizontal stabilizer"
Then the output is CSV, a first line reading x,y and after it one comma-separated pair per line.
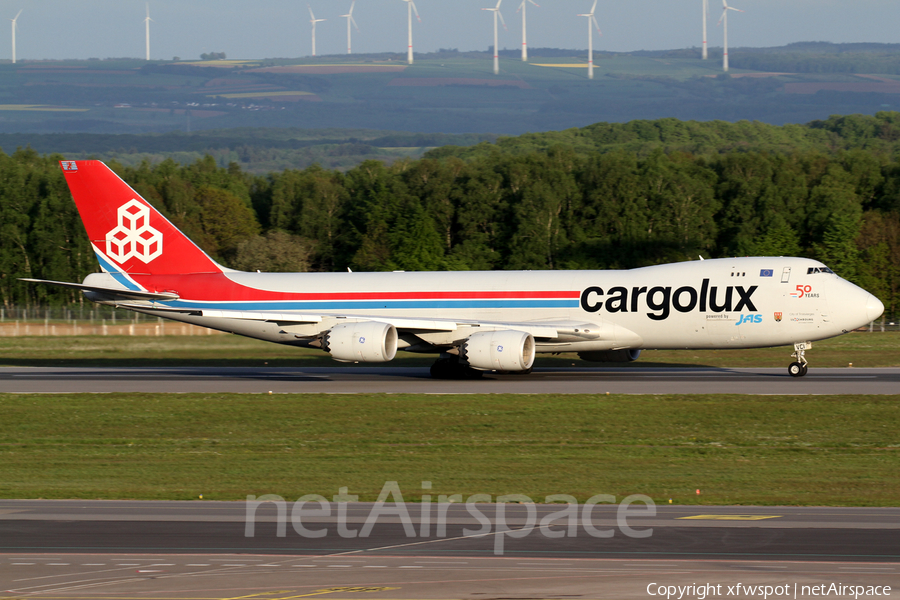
x,y
113,293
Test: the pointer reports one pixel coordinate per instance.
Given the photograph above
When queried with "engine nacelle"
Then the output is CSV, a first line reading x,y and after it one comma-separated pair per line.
x,y
610,355
361,341
503,350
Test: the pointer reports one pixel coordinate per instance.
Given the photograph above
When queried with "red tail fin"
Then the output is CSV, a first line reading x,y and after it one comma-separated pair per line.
x,y
127,233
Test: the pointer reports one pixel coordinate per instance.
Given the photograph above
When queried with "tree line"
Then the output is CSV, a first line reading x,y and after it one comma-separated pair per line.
x,y
257,149
634,197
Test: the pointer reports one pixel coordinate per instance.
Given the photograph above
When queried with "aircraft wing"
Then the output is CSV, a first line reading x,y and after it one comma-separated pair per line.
x,y
543,330
295,318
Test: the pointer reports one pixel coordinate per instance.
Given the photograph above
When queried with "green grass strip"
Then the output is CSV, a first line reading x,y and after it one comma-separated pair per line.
x,y
822,450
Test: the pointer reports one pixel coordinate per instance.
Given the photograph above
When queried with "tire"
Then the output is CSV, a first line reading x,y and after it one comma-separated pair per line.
x,y
805,370
440,370
525,372
795,369
470,373
450,369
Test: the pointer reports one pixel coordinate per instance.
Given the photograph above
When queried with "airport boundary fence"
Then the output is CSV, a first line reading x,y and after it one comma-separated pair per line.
x,y
882,325
82,319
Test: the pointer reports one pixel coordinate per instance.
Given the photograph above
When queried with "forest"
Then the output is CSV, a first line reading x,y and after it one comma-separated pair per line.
x,y
609,196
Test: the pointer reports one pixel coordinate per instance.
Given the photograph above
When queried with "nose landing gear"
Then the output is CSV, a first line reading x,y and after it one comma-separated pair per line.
x,y
800,367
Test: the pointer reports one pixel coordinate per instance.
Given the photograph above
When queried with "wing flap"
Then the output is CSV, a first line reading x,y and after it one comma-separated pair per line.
x,y
273,317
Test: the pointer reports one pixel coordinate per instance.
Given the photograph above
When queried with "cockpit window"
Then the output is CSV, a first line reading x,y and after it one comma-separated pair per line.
x,y
812,270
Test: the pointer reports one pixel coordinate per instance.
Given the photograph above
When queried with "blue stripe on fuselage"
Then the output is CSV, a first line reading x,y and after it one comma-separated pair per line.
x,y
116,273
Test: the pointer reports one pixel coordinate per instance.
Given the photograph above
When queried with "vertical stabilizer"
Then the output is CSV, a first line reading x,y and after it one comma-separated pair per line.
x,y
127,233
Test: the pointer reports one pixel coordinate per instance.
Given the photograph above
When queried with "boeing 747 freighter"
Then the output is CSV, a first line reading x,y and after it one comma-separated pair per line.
x,y
475,321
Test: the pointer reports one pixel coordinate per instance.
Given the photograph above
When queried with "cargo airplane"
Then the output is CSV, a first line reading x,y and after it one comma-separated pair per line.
x,y
476,321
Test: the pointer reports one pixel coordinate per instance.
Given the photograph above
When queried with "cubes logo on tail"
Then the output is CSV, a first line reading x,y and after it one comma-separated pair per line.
x,y
133,237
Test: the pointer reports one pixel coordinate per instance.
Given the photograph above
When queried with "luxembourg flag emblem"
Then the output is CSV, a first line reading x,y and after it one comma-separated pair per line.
x,y
69,165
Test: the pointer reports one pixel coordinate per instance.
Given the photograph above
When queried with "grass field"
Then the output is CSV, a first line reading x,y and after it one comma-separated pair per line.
x,y
860,349
735,449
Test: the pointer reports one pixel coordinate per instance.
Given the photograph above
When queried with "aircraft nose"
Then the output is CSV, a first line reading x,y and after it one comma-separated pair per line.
x,y
874,307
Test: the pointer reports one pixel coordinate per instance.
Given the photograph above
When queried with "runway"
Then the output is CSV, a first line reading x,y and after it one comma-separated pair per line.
x,y
188,550
351,380
871,534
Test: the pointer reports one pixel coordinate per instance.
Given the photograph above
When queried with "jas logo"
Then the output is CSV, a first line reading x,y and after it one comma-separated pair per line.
x,y
133,237
747,319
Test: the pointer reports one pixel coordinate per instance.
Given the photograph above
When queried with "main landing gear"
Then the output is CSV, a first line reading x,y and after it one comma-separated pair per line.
x,y
449,366
800,367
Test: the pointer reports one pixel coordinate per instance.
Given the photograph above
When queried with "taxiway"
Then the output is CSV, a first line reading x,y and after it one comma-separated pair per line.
x,y
351,380
202,550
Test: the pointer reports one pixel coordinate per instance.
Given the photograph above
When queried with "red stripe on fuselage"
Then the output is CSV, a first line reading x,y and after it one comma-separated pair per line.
x,y
217,287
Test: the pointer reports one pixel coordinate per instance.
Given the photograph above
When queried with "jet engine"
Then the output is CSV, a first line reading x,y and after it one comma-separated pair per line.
x,y
503,350
361,341
610,355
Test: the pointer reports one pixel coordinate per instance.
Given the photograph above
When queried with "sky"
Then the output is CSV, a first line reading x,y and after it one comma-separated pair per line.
x,y
80,29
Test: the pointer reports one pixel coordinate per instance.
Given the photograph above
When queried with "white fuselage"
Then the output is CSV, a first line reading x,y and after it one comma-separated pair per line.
x,y
722,303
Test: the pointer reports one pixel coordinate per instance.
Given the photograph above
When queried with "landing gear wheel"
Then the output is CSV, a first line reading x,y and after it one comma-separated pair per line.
x,y
525,372
451,368
796,370
805,369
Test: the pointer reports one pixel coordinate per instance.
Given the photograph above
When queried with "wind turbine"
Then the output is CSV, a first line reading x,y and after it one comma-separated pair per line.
x,y
313,20
592,21
705,55
349,17
723,20
147,31
410,7
524,31
14,35
496,11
